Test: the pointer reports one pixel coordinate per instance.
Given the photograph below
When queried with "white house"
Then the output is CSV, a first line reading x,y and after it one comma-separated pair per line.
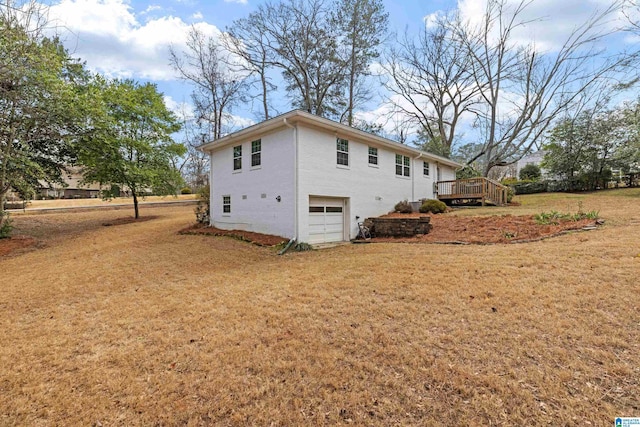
x,y
311,179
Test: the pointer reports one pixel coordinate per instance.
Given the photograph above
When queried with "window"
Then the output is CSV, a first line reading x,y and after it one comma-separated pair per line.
x,y
226,204
403,163
373,156
425,168
237,157
342,146
256,150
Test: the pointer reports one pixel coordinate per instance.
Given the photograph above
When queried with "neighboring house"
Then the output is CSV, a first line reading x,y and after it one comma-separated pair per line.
x,y
73,187
531,159
311,179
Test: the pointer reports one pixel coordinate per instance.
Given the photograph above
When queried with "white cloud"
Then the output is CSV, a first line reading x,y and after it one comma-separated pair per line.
x,y
152,8
236,1
549,23
108,36
197,16
181,109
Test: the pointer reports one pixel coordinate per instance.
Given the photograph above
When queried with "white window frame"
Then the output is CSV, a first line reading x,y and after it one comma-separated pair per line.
x,y
226,204
342,154
404,164
237,155
256,155
426,168
373,155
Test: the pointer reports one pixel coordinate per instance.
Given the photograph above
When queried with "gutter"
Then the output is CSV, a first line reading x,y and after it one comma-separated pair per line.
x,y
413,178
295,186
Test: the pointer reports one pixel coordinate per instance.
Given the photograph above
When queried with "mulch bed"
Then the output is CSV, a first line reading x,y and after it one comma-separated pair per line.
x,y
487,229
128,220
15,243
248,236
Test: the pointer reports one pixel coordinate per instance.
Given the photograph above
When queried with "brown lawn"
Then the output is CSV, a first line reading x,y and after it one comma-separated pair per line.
x,y
135,324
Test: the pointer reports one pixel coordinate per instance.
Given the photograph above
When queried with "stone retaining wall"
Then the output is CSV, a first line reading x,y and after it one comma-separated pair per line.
x,y
398,227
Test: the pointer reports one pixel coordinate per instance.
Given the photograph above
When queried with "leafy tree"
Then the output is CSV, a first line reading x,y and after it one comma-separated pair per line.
x,y
41,103
530,172
581,150
132,147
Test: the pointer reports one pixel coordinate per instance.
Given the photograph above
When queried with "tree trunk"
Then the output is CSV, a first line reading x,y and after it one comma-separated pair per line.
x,y
135,204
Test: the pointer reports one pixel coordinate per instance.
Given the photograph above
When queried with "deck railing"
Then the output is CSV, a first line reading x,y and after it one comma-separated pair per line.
x,y
481,188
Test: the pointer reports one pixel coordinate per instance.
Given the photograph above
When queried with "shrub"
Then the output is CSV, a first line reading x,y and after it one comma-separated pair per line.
x,y
433,206
186,190
510,194
530,187
530,172
509,181
467,172
403,207
5,225
203,208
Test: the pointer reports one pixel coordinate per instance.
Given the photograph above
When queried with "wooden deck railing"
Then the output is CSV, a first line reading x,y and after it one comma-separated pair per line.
x,y
481,188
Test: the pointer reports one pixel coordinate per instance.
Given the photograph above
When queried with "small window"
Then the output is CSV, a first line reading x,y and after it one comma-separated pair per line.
x,y
403,165
226,204
425,168
316,209
334,209
342,146
237,157
373,156
256,150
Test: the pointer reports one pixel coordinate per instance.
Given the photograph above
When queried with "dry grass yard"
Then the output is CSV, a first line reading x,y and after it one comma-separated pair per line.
x,y
134,324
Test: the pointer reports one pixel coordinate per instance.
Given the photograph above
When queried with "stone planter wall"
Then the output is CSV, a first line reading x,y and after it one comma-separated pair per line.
x,y
398,227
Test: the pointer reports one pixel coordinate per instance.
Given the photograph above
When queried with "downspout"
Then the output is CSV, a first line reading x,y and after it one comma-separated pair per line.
x,y
413,178
211,188
295,187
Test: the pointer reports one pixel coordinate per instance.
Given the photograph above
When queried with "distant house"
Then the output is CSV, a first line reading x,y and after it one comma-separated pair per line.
x,y
531,159
72,189
311,179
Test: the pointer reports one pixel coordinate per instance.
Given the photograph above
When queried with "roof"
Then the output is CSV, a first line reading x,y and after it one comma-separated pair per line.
x,y
303,117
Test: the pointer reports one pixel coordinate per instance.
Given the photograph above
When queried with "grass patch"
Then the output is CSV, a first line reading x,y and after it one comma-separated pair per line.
x,y
139,325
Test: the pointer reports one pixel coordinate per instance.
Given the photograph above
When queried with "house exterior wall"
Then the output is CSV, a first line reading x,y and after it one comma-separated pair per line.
x,y
254,190
369,190
299,165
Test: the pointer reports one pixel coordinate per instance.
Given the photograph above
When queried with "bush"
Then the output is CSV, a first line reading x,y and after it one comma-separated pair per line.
x,y
510,194
403,207
5,225
433,206
529,187
509,181
467,172
530,172
186,190
203,208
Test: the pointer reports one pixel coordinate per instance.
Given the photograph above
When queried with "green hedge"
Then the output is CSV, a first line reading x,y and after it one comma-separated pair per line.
x,y
529,187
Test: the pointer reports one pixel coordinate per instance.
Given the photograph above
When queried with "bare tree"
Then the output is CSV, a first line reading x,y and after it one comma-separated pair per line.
x,y
523,89
432,81
302,43
245,41
363,25
217,88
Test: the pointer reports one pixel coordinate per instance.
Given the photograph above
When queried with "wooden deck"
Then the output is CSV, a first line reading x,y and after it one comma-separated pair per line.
x,y
483,189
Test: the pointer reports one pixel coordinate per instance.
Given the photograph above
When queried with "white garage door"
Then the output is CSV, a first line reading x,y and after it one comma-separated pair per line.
x,y
326,220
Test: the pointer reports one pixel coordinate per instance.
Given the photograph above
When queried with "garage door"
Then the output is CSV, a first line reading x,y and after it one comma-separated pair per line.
x,y
326,220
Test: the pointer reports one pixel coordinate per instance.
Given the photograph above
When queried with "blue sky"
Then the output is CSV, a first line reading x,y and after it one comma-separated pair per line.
x,y
130,38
